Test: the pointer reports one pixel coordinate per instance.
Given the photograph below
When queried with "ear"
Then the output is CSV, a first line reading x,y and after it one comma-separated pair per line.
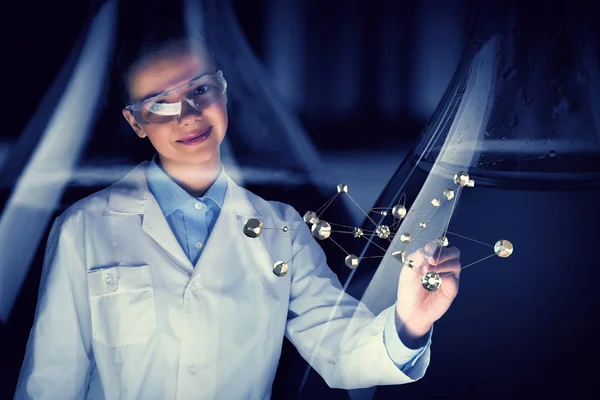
x,y
132,122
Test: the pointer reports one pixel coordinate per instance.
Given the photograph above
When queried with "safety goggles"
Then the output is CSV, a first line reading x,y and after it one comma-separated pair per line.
x,y
200,93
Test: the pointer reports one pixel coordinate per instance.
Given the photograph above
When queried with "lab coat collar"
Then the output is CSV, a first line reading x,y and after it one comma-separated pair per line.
x,y
171,196
131,195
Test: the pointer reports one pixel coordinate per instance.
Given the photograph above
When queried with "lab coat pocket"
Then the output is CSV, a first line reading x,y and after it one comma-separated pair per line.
x,y
122,305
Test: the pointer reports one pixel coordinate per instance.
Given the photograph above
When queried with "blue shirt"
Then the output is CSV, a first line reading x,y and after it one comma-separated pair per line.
x,y
191,219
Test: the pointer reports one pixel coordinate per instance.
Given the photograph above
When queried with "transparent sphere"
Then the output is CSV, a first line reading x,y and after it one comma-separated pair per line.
x,y
399,211
503,248
351,261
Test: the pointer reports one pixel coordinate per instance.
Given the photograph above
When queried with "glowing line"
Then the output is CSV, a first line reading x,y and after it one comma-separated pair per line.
x,y
435,136
337,244
402,196
464,237
413,210
380,213
375,244
427,221
296,253
268,251
473,263
328,201
327,206
363,211
417,215
414,269
392,243
452,210
281,229
447,225
343,226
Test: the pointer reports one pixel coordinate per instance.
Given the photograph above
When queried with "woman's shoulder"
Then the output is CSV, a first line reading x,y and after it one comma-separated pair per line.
x,y
127,188
274,209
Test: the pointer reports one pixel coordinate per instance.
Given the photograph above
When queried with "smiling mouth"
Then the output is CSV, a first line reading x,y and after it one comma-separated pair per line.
x,y
197,136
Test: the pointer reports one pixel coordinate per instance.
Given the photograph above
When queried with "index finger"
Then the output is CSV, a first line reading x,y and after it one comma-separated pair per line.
x,y
436,254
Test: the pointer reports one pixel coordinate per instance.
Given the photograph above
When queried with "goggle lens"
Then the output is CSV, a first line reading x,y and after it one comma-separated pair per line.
x,y
199,93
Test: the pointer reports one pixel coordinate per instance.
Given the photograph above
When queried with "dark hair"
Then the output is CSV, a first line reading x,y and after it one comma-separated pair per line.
x,y
161,41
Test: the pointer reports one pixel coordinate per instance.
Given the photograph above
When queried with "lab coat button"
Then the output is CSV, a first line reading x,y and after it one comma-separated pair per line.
x,y
198,205
198,245
192,368
108,279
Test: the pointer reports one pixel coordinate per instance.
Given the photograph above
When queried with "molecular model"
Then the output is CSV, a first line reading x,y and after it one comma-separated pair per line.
x,y
322,230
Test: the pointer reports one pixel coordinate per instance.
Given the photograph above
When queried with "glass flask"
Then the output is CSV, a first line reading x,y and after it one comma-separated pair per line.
x,y
521,117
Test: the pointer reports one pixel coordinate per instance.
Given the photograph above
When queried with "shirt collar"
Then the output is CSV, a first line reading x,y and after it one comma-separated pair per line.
x,y
170,196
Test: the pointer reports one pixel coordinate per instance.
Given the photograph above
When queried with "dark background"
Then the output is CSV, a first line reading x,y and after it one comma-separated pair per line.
x,y
363,77
376,65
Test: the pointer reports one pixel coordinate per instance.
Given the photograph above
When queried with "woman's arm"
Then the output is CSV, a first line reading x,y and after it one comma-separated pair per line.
x,y
59,356
337,334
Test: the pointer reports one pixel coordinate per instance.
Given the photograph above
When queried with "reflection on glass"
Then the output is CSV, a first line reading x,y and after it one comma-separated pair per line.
x,y
521,117
524,100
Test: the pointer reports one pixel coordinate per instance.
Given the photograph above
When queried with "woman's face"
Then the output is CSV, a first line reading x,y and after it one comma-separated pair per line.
x,y
195,138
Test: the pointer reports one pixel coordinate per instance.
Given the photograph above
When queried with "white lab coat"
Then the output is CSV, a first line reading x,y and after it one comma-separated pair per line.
x,y
123,314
